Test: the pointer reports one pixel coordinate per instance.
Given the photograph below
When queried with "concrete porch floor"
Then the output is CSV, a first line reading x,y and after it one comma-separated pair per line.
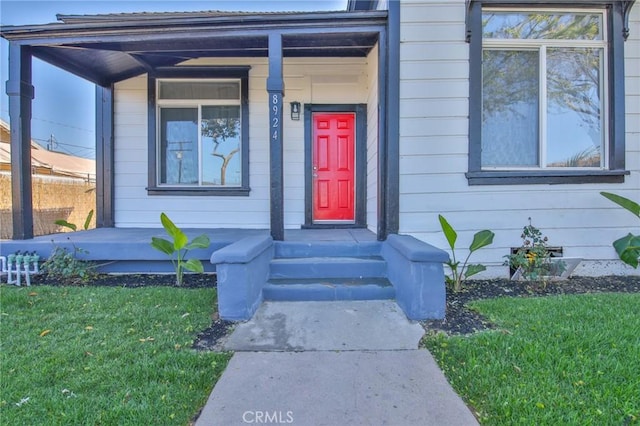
x,y
129,249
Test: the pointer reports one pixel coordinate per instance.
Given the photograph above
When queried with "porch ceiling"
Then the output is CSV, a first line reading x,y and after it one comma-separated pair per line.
x,y
114,48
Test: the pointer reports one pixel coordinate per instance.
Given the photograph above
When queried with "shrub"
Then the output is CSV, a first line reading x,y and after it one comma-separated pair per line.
x,y
64,266
533,256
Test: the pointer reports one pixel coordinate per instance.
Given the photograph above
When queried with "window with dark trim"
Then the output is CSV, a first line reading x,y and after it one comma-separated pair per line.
x,y
199,131
546,92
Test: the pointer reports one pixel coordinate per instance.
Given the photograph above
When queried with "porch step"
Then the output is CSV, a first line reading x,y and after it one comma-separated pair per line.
x,y
287,249
328,270
328,267
328,289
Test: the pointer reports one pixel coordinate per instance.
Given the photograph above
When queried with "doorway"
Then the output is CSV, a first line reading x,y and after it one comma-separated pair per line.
x,y
335,165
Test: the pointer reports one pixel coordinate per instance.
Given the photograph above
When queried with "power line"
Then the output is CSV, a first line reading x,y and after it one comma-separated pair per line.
x,y
52,144
63,125
56,123
65,144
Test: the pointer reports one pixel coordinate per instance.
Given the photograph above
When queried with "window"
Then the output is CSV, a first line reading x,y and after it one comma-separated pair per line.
x,y
200,134
544,109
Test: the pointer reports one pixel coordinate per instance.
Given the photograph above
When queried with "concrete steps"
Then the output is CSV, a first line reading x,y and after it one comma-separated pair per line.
x,y
402,268
327,271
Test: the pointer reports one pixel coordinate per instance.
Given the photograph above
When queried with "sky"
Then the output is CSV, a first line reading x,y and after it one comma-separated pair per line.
x,y
64,106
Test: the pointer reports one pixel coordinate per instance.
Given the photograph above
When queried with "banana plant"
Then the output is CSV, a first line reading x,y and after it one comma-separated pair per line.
x,y
178,249
480,239
73,226
627,247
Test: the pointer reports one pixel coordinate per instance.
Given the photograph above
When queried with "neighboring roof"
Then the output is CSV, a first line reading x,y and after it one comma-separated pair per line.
x,y
108,48
47,162
133,16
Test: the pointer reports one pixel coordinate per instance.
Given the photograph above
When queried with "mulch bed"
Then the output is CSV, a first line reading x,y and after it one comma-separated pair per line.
x,y
459,319
139,280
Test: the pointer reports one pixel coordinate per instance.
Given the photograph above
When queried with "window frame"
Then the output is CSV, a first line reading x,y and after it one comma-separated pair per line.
x,y
196,73
613,170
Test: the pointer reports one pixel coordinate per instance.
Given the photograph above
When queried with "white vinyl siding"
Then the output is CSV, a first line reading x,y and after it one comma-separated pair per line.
x,y
307,80
434,96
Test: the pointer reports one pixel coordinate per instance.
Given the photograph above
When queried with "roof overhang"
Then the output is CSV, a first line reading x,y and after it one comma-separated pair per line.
x,y
105,49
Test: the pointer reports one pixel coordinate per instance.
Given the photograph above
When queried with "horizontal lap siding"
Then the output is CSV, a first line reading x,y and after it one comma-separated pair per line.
x,y
317,80
134,208
434,96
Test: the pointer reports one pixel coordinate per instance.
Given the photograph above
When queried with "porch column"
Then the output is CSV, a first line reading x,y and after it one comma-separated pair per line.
x,y
388,127
21,93
105,217
275,88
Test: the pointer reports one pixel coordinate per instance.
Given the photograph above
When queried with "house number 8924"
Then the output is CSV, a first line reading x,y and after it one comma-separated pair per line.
x,y
276,101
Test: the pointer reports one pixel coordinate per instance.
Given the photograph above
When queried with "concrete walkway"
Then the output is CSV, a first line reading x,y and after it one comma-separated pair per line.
x,y
332,363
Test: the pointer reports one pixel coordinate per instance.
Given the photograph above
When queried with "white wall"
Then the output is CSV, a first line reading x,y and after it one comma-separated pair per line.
x,y
307,80
434,92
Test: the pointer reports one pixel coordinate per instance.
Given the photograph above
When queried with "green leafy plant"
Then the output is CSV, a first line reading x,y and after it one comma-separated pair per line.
x,y
627,247
178,249
73,226
533,257
459,274
64,266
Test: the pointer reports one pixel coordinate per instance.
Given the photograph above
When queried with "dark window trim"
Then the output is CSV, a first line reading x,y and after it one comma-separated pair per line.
x,y
240,72
617,13
553,177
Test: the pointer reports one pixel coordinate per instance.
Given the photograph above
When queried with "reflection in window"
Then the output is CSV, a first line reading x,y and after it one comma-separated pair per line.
x,y
542,90
220,127
200,140
178,146
574,115
534,25
510,108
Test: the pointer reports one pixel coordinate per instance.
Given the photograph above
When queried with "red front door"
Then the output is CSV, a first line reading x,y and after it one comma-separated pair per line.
x,y
333,167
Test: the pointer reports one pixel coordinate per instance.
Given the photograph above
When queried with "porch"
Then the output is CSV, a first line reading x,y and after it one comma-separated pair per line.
x,y
309,265
339,62
128,250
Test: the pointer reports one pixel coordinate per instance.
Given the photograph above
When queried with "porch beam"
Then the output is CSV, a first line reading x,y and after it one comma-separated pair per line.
x,y
275,88
21,93
105,215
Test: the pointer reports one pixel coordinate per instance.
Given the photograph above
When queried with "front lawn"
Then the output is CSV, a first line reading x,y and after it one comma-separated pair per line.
x,y
98,355
552,360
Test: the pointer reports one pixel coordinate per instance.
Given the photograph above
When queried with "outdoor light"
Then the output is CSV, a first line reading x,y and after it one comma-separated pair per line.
x,y
295,110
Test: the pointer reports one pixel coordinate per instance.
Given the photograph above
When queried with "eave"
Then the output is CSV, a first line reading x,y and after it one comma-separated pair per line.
x,y
106,50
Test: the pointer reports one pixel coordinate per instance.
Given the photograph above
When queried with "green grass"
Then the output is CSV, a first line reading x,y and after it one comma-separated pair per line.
x,y
96,355
554,360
